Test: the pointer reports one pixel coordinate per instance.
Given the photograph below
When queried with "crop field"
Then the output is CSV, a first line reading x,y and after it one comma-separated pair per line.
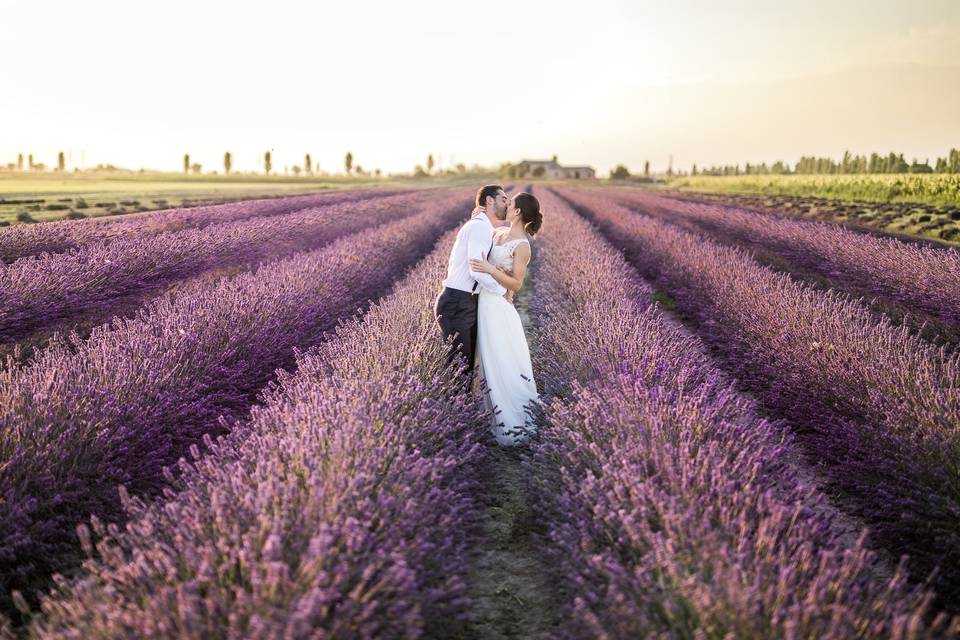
x,y
47,196
238,421
924,205
933,188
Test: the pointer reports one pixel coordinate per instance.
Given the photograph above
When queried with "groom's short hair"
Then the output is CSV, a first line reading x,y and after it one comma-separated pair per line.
x,y
489,190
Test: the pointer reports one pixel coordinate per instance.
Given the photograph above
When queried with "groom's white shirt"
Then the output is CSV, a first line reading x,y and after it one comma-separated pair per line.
x,y
473,241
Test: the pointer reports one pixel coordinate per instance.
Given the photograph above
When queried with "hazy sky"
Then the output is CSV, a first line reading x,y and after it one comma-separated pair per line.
x,y
139,84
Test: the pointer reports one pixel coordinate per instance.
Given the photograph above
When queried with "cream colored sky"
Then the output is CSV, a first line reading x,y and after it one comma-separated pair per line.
x,y
139,84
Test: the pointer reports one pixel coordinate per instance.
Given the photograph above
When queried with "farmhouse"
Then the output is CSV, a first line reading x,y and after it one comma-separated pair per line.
x,y
551,169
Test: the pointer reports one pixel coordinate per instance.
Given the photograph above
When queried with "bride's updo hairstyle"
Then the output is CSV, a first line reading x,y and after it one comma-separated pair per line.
x,y
530,213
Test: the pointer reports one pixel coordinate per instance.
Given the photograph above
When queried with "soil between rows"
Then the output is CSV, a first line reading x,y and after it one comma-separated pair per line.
x,y
509,583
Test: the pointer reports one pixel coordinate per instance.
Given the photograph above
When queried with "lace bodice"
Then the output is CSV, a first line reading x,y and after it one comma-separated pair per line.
x,y
501,255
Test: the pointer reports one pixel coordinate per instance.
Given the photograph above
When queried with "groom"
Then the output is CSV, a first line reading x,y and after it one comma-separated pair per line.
x,y
456,307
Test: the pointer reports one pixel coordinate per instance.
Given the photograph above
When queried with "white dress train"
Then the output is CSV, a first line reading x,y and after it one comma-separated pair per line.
x,y
503,358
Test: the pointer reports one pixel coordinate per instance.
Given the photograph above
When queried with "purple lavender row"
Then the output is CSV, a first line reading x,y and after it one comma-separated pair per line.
x,y
340,510
673,509
99,279
920,277
877,408
84,416
55,237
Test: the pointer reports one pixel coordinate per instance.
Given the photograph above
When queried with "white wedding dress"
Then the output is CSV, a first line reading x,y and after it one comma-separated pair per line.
x,y
503,358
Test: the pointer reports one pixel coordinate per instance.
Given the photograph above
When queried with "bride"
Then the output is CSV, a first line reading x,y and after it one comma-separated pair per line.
x,y
502,353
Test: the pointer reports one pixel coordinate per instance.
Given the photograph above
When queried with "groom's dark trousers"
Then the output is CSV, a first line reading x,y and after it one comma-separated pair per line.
x,y
456,313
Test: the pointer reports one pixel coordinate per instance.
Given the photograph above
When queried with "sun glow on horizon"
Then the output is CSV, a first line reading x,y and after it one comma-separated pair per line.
x,y
139,85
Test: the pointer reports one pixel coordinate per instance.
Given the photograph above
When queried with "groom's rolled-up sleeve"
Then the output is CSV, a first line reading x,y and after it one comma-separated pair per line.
x,y
478,241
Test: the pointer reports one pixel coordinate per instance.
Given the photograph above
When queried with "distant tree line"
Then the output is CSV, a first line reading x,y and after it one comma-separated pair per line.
x,y
309,167
850,164
36,166
620,172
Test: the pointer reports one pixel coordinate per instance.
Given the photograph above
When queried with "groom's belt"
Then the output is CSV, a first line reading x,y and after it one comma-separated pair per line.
x,y
459,293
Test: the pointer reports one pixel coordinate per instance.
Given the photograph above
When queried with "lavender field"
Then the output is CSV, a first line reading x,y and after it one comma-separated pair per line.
x,y
239,422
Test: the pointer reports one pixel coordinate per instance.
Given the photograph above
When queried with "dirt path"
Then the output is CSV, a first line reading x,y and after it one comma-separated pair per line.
x,y
512,593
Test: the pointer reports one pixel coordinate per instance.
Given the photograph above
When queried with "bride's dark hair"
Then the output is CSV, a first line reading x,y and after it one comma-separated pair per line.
x,y
530,213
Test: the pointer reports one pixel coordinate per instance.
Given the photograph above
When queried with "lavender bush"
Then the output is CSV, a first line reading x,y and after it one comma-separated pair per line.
x,y
876,407
673,509
99,279
923,278
84,416
55,237
341,509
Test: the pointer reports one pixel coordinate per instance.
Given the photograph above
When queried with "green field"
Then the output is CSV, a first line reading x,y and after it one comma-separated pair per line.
x,y
54,196
937,189
926,205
